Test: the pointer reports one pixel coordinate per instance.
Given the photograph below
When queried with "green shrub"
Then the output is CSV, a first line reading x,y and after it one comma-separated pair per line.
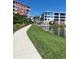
x,y
20,21
16,26
58,26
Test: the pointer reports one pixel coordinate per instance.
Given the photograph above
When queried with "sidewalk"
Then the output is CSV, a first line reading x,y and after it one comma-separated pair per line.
x,y
23,47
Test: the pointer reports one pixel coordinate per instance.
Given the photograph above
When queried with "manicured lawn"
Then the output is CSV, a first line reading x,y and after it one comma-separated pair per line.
x,y
48,45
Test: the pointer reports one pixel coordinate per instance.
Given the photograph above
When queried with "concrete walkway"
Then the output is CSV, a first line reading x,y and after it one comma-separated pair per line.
x,y
23,47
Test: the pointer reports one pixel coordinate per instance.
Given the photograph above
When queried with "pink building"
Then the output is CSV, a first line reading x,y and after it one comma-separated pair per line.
x,y
21,9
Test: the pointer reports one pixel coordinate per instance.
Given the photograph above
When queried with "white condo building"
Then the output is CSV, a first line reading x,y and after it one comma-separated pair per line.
x,y
48,16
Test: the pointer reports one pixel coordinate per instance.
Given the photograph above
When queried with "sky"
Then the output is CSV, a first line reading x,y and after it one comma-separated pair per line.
x,y
39,6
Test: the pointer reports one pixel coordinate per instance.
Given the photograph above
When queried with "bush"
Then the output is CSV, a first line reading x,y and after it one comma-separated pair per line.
x,y
20,21
58,26
16,26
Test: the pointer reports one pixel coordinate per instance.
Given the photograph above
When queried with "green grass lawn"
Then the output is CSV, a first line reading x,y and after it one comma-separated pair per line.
x,y
49,46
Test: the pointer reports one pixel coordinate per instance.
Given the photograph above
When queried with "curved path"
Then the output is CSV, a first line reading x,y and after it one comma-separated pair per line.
x,y
23,47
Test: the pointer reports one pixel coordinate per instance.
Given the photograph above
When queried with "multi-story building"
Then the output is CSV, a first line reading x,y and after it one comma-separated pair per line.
x,y
57,17
21,9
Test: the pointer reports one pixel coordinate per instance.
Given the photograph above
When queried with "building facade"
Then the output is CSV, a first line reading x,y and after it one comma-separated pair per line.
x,y
21,9
57,17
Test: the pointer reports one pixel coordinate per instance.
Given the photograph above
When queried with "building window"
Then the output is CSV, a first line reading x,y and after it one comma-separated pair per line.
x,y
62,13
13,6
45,13
48,16
13,1
49,13
62,19
56,19
56,13
45,16
56,16
13,9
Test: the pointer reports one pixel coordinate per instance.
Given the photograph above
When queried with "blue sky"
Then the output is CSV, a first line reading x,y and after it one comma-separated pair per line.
x,y
39,6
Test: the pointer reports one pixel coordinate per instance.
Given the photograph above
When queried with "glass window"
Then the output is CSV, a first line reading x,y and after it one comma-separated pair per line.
x,y
13,9
62,13
56,16
56,13
48,13
48,16
62,19
45,13
13,6
13,1
45,16
55,19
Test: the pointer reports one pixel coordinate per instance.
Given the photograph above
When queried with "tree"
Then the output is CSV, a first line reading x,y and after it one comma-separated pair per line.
x,y
21,19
